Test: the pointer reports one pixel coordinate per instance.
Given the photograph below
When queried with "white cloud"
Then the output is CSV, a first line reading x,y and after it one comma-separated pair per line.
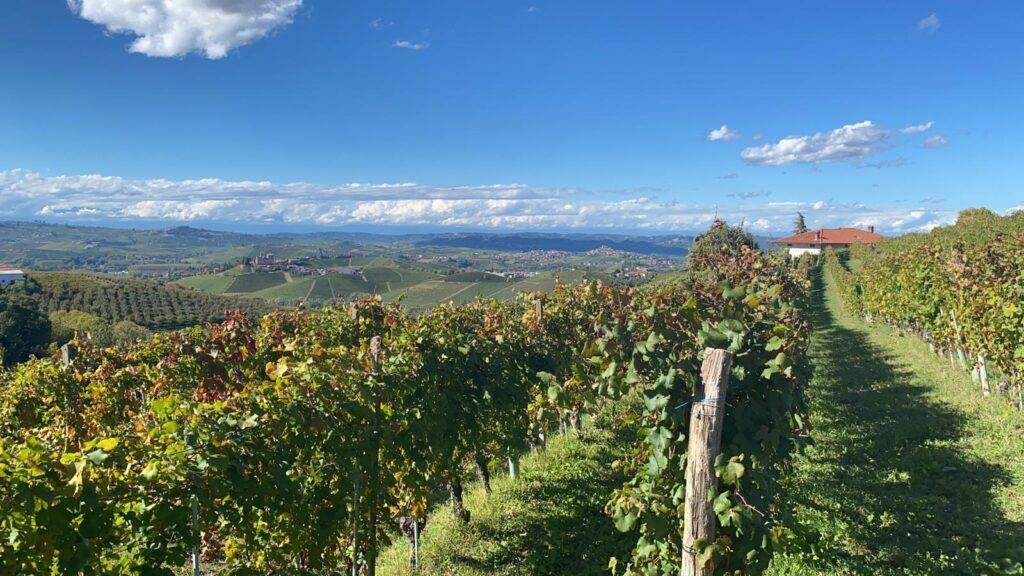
x,y
846,143
937,141
723,133
171,28
93,198
179,210
918,128
929,23
411,45
379,23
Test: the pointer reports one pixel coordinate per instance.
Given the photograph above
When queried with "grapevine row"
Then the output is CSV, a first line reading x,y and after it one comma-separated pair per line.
x,y
961,288
293,445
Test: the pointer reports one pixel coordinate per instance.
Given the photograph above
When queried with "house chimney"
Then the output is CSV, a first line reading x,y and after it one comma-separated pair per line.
x,y
871,228
817,236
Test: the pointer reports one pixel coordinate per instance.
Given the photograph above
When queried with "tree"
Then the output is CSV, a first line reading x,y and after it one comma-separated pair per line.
x,y
720,241
127,331
799,226
24,328
67,324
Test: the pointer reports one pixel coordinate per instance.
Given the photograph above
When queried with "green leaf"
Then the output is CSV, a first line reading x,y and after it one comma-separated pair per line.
x,y
625,523
151,470
656,402
107,444
659,438
97,457
554,394
732,471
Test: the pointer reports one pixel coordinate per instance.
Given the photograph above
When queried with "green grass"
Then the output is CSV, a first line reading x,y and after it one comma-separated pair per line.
x,y
480,290
387,279
289,291
911,470
475,276
322,290
427,294
255,282
547,521
230,254
211,283
343,284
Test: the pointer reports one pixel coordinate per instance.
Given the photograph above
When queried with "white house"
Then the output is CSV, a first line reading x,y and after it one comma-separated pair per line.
x,y
813,241
10,276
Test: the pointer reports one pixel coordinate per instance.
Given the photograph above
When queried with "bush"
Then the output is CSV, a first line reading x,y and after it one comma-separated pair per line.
x,y
24,329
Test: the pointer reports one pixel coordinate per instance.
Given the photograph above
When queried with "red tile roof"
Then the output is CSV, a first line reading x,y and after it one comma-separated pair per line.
x,y
831,236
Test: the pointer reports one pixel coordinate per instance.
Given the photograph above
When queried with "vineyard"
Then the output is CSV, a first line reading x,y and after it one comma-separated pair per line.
x,y
148,304
305,442
960,288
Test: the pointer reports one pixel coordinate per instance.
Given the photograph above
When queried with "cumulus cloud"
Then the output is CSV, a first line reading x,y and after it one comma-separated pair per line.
x,y
723,133
849,142
171,28
918,128
929,23
406,44
95,198
937,141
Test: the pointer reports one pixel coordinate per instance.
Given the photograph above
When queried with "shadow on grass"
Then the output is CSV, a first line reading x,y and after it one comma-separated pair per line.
x,y
886,489
560,527
548,521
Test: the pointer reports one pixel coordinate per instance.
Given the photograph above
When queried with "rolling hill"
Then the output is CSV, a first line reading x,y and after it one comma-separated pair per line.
x,y
148,304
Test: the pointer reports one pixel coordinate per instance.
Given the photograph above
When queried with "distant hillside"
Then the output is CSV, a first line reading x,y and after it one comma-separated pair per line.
x,y
668,246
42,246
474,277
149,304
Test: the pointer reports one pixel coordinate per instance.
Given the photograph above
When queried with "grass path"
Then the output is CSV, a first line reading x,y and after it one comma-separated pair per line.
x,y
912,471
549,521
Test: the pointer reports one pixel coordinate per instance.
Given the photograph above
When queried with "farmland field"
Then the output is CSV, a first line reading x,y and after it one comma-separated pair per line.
x,y
212,283
418,289
256,282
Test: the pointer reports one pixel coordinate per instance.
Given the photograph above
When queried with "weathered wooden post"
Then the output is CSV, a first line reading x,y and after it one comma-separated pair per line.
x,y
962,356
983,375
196,537
706,418
376,352
66,355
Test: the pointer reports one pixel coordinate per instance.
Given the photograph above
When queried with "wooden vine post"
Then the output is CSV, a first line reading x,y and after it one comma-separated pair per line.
x,y
371,567
983,375
706,418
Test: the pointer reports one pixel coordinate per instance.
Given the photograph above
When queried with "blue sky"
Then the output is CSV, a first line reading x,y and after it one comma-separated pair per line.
x,y
509,114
